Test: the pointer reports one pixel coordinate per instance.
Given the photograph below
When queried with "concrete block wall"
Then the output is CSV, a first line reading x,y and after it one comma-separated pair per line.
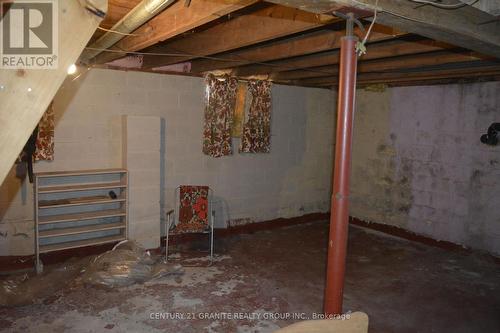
x,y
142,136
294,179
418,162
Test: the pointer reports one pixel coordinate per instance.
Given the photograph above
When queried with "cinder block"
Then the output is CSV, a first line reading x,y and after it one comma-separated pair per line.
x,y
147,233
146,160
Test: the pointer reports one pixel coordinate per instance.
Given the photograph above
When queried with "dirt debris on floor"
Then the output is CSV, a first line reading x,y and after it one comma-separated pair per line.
x,y
402,286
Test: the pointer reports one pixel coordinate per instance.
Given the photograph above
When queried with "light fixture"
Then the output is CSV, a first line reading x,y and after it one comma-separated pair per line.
x,y
72,69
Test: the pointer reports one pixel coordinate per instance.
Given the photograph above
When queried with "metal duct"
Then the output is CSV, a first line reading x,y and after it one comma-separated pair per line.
x,y
141,13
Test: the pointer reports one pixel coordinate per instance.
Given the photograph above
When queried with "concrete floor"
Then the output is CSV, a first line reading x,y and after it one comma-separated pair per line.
x,y
402,286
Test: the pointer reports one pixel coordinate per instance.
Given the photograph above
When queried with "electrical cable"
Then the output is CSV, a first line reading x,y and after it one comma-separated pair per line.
x,y
203,57
118,32
396,14
94,10
445,6
361,47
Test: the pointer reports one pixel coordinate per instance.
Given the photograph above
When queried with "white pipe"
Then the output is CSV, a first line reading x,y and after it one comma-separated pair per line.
x,y
139,15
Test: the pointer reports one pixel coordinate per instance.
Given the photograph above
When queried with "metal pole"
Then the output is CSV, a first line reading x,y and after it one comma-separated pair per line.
x,y
339,217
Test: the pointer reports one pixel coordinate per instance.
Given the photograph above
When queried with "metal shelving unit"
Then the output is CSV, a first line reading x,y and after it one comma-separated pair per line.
x,y
79,208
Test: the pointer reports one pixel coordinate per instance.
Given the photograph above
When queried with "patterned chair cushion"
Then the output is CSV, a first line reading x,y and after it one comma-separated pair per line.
x,y
193,209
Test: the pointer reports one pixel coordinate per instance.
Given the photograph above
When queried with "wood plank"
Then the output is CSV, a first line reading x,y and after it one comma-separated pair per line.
x,y
80,172
479,69
81,216
438,81
460,27
97,201
259,26
26,94
81,229
293,47
175,20
80,187
391,48
432,77
409,61
81,243
313,6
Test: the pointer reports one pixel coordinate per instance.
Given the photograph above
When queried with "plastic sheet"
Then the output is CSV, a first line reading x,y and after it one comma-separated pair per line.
x,y
126,264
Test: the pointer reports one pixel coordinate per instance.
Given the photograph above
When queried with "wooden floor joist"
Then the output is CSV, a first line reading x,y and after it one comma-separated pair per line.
x,y
26,94
461,26
478,70
177,19
394,63
305,44
266,24
292,41
386,49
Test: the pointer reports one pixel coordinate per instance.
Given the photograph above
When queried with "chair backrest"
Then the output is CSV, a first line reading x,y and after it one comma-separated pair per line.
x,y
193,208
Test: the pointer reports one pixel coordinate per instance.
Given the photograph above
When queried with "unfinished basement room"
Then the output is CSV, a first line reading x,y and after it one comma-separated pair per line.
x,y
248,166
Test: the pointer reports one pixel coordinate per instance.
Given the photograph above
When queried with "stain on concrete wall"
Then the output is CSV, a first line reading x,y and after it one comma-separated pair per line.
x,y
421,165
381,178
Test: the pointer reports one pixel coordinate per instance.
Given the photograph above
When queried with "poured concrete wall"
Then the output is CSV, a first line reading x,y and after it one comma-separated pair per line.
x,y
418,162
294,179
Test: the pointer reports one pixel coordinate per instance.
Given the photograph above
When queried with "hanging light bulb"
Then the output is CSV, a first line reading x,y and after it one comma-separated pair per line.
x,y
72,69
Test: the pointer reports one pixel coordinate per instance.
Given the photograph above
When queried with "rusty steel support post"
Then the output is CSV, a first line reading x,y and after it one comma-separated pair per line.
x,y
339,218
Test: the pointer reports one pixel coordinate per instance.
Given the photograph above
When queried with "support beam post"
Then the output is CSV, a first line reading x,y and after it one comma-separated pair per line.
x,y
339,218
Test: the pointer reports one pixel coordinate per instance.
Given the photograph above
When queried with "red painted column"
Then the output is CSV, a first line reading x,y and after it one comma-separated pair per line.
x,y
339,219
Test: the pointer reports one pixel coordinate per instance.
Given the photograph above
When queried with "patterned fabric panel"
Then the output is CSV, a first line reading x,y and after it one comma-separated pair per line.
x,y
256,136
193,209
45,140
219,109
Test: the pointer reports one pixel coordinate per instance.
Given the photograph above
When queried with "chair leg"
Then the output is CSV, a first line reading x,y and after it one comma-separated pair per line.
x,y
166,245
212,238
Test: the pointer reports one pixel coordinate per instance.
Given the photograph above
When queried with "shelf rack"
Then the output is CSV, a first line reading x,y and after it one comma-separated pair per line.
x,y
76,209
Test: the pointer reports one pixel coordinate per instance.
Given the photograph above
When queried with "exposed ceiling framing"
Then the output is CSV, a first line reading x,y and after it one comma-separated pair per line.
x,y
297,41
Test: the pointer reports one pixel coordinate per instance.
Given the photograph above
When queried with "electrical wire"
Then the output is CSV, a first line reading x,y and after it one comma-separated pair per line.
x,y
445,6
388,12
361,47
371,25
94,10
118,32
397,14
190,55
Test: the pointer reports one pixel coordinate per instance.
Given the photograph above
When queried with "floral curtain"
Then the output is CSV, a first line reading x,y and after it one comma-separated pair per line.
x,y
256,136
193,210
40,146
45,139
219,109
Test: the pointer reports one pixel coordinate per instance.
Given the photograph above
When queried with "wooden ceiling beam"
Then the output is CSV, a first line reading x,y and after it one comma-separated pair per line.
x,y
257,27
173,21
380,50
385,64
461,27
314,42
479,69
